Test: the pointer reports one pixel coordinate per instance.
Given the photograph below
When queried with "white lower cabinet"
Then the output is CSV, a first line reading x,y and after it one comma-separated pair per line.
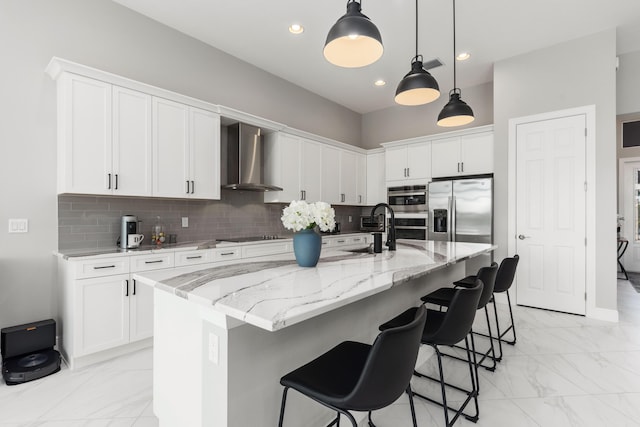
x,y
104,311
101,319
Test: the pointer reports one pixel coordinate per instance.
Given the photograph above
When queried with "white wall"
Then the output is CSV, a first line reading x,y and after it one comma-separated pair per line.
x,y
628,90
107,36
571,74
400,122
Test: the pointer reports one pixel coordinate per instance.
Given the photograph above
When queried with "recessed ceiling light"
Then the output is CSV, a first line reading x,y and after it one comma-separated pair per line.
x,y
463,56
296,29
380,82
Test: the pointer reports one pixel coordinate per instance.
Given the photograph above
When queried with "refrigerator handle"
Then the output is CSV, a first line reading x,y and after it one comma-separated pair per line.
x,y
452,212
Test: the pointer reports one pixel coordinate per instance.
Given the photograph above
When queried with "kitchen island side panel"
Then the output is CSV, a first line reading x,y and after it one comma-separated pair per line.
x,y
243,387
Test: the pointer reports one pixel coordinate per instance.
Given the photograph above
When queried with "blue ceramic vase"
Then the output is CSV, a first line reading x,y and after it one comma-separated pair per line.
x,y
306,247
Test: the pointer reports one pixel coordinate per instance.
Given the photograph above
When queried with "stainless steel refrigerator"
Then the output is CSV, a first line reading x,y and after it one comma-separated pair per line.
x,y
461,210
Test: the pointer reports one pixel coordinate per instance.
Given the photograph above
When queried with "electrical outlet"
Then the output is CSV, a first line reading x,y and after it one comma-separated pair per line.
x,y
214,348
18,225
185,222
350,219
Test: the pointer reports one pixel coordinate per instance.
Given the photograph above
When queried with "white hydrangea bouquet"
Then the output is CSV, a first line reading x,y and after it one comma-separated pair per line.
x,y
300,215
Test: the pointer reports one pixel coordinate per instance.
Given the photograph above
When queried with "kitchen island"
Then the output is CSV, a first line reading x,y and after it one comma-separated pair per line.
x,y
225,334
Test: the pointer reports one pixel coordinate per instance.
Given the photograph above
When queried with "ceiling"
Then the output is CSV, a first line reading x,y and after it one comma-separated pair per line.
x,y
256,31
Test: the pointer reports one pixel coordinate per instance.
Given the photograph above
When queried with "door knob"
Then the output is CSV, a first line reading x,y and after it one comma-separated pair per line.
x,y
522,236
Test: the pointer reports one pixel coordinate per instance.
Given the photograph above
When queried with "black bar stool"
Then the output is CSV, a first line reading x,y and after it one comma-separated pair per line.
x,y
443,297
446,328
355,376
504,279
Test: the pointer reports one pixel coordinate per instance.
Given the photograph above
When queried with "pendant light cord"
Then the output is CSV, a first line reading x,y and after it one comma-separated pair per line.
x,y
455,86
416,28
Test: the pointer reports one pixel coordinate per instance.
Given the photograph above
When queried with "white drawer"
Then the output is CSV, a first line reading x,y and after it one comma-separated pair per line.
x,y
225,254
152,261
101,267
200,256
262,249
363,239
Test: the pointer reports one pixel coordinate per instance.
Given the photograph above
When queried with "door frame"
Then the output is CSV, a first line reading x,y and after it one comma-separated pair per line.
x,y
589,111
622,162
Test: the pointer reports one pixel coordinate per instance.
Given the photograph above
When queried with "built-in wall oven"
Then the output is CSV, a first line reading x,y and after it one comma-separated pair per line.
x,y
408,198
411,225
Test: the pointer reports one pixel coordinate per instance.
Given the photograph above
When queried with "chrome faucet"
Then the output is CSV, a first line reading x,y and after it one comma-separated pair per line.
x,y
391,235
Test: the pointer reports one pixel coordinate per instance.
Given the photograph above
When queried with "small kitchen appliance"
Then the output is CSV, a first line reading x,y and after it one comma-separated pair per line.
x,y
128,226
27,351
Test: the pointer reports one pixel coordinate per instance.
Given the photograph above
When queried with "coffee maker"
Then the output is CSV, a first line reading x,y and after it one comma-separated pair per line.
x,y
129,225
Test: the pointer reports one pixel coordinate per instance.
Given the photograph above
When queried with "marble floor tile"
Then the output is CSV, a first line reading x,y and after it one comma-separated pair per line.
x,y
564,370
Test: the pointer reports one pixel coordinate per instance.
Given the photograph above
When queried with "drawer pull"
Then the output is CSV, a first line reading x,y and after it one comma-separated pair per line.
x,y
154,262
341,241
194,257
104,266
227,253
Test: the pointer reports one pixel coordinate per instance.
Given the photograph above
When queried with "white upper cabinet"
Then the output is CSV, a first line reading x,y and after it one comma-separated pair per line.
x,y
104,138
470,154
331,175
131,159
408,162
84,135
116,139
376,185
293,164
186,151
343,176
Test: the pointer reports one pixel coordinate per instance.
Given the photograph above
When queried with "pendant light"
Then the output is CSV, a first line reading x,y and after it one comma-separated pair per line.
x,y
418,86
353,41
456,112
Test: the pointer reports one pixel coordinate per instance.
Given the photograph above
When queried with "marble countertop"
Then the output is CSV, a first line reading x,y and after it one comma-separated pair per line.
x,y
273,292
183,246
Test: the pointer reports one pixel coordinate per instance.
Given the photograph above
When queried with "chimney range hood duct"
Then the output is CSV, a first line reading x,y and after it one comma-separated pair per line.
x,y
244,159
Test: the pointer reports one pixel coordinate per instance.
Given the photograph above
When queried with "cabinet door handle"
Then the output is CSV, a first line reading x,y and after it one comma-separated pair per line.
x,y
116,181
153,262
108,181
404,172
461,166
134,286
187,187
342,197
193,187
194,257
127,288
408,172
104,266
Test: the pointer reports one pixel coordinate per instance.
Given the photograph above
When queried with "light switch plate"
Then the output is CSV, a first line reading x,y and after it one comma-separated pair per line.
x,y
18,225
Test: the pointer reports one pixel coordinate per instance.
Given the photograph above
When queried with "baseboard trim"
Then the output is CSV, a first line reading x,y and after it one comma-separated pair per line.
x,y
605,314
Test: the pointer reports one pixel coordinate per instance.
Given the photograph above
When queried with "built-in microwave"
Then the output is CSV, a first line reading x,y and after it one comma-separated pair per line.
x,y
408,198
413,226
374,225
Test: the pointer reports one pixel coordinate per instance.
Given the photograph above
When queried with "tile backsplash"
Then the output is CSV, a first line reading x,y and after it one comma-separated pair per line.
x,y
88,222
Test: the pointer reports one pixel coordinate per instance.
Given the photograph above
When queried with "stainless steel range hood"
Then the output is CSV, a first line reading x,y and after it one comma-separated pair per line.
x,y
244,159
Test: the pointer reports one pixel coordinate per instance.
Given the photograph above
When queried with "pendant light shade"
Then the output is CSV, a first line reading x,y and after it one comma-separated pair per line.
x,y
456,112
418,86
353,41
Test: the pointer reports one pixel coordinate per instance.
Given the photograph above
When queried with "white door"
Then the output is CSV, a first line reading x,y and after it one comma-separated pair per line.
x,y
419,161
476,153
550,214
396,163
631,213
